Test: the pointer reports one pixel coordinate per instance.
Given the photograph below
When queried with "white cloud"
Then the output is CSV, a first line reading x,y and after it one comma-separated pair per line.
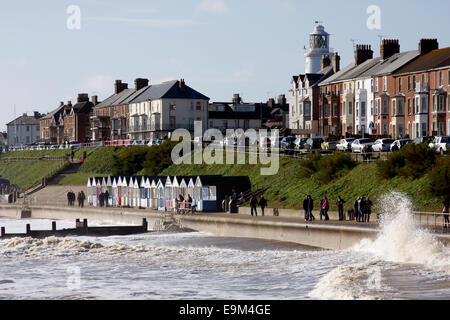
x,y
159,23
213,6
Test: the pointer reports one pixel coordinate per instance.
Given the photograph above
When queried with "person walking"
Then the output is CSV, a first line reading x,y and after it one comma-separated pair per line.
x,y
106,198
83,198
368,210
362,209
305,207
325,208
321,210
340,205
446,211
310,208
254,205
356,209
79,199
263,204
69,199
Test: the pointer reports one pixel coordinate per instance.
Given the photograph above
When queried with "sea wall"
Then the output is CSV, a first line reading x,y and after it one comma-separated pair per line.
x,y
283,229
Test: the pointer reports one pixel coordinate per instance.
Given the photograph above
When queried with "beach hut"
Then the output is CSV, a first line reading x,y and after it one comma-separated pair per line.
x,y
104,186
115,192
154,195
125,181
109,188
98,191
183,188
160,191
130,193
190,189
119,192
89,190
168,186
142,193
146,203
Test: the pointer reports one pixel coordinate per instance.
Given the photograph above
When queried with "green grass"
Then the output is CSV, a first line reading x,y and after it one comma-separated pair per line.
x,y
78,179
29,174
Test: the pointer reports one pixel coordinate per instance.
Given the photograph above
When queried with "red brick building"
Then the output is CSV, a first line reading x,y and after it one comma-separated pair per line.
x,y
76,119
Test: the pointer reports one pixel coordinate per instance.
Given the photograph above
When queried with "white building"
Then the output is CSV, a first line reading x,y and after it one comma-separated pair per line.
x,y
162,108
24,130
319,45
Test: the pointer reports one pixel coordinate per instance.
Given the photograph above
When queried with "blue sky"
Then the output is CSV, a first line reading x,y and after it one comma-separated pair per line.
x,y
219,47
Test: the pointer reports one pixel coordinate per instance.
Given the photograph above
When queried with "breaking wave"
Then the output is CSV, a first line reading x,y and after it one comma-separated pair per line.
x,y
400,240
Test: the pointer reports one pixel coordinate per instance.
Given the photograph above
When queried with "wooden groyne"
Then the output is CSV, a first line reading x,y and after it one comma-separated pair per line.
x,y
81,229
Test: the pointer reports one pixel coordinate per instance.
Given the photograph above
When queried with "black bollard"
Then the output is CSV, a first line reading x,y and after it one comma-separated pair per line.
x,y
28,229
54,226
85,225
77,224
3,232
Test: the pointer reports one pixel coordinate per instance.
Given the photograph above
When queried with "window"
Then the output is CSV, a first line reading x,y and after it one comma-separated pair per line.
x,y
441,78
363,109
400,85
350,108
409,106
385,107
424,105
371,107
441,104
409,83
394,106
414,105
192,105
326,110
414,83
28,128
376,85
385,84
199,106
385,129
357,109
435,102
400,107
343,108
371,84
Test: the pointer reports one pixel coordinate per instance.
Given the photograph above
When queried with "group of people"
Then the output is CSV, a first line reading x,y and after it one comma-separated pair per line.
x,y
103,199
182,204
80,198
254,203
361,212
362,209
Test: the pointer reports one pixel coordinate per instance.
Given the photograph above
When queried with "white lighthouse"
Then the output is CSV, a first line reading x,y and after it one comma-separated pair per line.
x,y
319,45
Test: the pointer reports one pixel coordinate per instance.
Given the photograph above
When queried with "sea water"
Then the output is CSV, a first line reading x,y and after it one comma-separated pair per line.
x,y
403,262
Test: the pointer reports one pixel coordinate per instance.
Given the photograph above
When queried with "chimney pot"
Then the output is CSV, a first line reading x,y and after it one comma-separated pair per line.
x,y
140,83
94,100
119,86
82,97
336,63
326,61
363,53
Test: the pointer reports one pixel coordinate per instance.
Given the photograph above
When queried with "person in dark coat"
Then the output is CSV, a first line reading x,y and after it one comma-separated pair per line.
x,y
305,207
83,198
445,212
356,208
263,204
69,199
79,199
101,199
309,205
106,198
254,205
367,210
340,205
362,209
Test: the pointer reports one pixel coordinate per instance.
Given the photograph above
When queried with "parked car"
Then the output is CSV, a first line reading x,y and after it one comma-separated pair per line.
x,y
382,145
345,144
286,142
362,145
314,143
398,144
329,144
441,144
426,140
300,143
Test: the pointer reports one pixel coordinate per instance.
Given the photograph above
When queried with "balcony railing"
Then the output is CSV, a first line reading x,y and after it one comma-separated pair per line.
x,y
144,128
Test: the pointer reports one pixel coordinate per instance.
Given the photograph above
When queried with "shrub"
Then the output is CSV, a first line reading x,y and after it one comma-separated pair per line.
x,y
129,162
411,161
327,167
440,178
159,158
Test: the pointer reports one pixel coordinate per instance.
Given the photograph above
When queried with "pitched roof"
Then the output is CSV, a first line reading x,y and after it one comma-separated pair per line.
x,y
116,99
338,75
24,120
83,107
391,64
51,114
435,59
168,90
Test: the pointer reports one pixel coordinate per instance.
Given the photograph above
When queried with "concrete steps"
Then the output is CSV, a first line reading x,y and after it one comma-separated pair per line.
x,y
54,195
71,169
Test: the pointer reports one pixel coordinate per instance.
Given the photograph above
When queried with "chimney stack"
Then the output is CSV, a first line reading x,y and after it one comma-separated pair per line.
x,y
282,100
336,63
236,99
119,86
389,48
182,84
37,115
271,103
363,53
61,103
326,61
140,83
82,97
94,100
69,104
428,45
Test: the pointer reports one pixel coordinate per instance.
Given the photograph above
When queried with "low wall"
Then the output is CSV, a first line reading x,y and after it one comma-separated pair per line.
x,y
291,213
285,229
320,236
